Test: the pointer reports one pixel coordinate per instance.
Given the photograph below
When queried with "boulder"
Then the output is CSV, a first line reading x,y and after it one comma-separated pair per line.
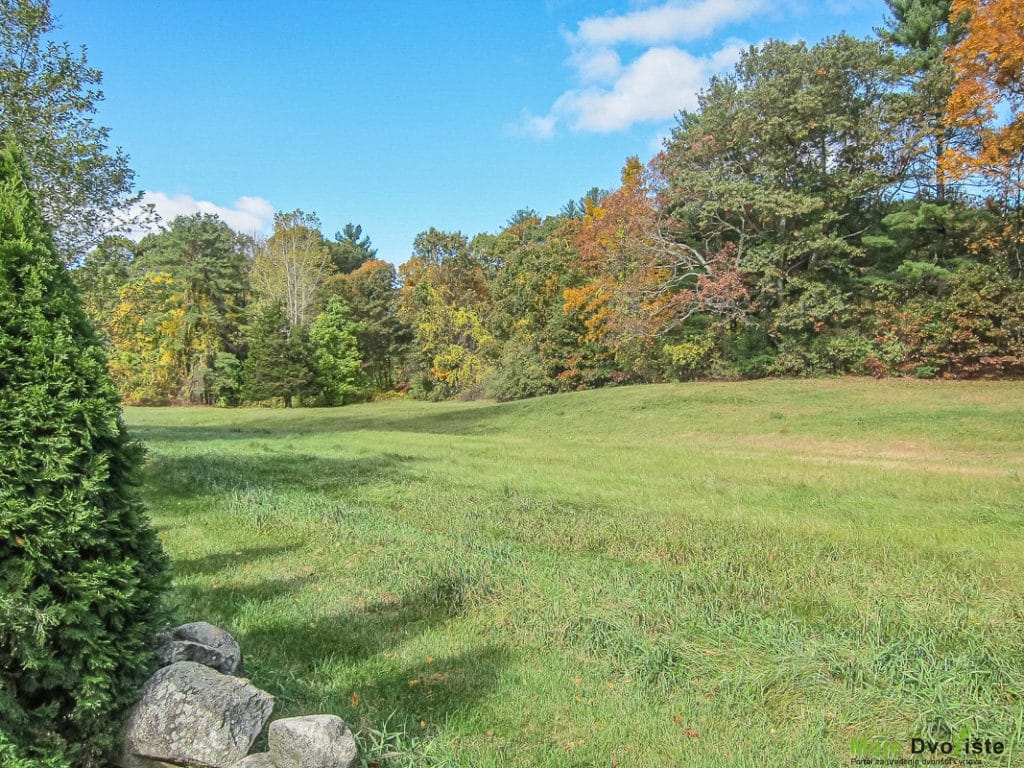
x,y
192,715
314,741
201,642
256,760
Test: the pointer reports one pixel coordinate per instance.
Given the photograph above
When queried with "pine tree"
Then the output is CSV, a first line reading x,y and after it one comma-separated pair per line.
x,y
278,365
81,569
351,249
922,31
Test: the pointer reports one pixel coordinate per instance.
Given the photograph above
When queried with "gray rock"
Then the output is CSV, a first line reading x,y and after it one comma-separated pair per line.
x,y
204,643
132,761
185,650
192,715
257,760
314,741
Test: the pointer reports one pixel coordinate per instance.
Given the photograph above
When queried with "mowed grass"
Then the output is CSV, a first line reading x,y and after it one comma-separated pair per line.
x,y
747,574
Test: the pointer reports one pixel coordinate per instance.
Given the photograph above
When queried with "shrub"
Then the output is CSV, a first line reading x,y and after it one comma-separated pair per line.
x,y
81,570
690,358
974,327
521,372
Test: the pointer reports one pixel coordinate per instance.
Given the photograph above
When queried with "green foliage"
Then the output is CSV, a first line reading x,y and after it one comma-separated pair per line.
x,y
797,222
521,371
278,366
204,258
223,379
444,299
81,570
445,260
921,31
336,358
924,231
784,160
372,295
690,358
534,264
350,249
48,95
12,757
101,275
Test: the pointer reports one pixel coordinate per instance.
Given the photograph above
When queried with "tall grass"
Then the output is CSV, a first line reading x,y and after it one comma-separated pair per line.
x,y
704,574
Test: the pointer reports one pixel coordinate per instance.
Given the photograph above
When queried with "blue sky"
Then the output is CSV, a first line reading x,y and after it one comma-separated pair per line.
x,y
401,116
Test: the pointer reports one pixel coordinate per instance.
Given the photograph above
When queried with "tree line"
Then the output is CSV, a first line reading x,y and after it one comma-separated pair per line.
x,y
852,206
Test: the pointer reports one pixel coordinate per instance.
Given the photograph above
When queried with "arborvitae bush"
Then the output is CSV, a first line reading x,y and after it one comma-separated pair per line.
x,y
81,569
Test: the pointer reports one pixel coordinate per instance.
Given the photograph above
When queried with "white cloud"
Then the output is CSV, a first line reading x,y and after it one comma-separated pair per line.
x,y
248,215
533,126
596,65
657,82
656,86
670,22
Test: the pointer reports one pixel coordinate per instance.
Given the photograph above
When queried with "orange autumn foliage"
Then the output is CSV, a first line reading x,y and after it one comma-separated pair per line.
x,y
988,62
623,297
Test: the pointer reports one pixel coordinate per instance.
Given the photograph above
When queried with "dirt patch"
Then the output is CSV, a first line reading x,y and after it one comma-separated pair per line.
x,y
913,455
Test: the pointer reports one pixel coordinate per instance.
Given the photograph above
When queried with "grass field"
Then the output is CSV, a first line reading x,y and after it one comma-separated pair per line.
x,y
748,574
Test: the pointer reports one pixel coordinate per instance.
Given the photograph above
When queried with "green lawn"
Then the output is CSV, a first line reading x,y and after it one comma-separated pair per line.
x,y
696,575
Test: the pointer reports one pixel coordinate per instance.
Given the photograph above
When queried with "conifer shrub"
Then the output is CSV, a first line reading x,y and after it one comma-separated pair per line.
x,y
81,569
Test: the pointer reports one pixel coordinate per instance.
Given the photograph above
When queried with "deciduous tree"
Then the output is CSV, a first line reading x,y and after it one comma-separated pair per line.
x,y
48,96
787,163
988,62
290,268
101,275
143,328
336,358
533,264
204,258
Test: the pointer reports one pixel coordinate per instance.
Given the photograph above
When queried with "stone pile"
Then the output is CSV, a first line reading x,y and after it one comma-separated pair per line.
x,y
197,711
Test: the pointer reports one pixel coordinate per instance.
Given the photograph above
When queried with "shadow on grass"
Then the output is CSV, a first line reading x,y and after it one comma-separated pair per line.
x,y
364,632
475,420
204,473
478,420
297,660
426,695
210,565
314,660
221,603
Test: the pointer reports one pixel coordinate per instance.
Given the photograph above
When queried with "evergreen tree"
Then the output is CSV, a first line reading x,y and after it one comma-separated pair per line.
x,y
278,363
81,570
922,31
351,249
205,257
371,293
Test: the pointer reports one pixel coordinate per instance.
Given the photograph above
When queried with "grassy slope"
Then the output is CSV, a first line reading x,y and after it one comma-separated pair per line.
x,y
680,574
